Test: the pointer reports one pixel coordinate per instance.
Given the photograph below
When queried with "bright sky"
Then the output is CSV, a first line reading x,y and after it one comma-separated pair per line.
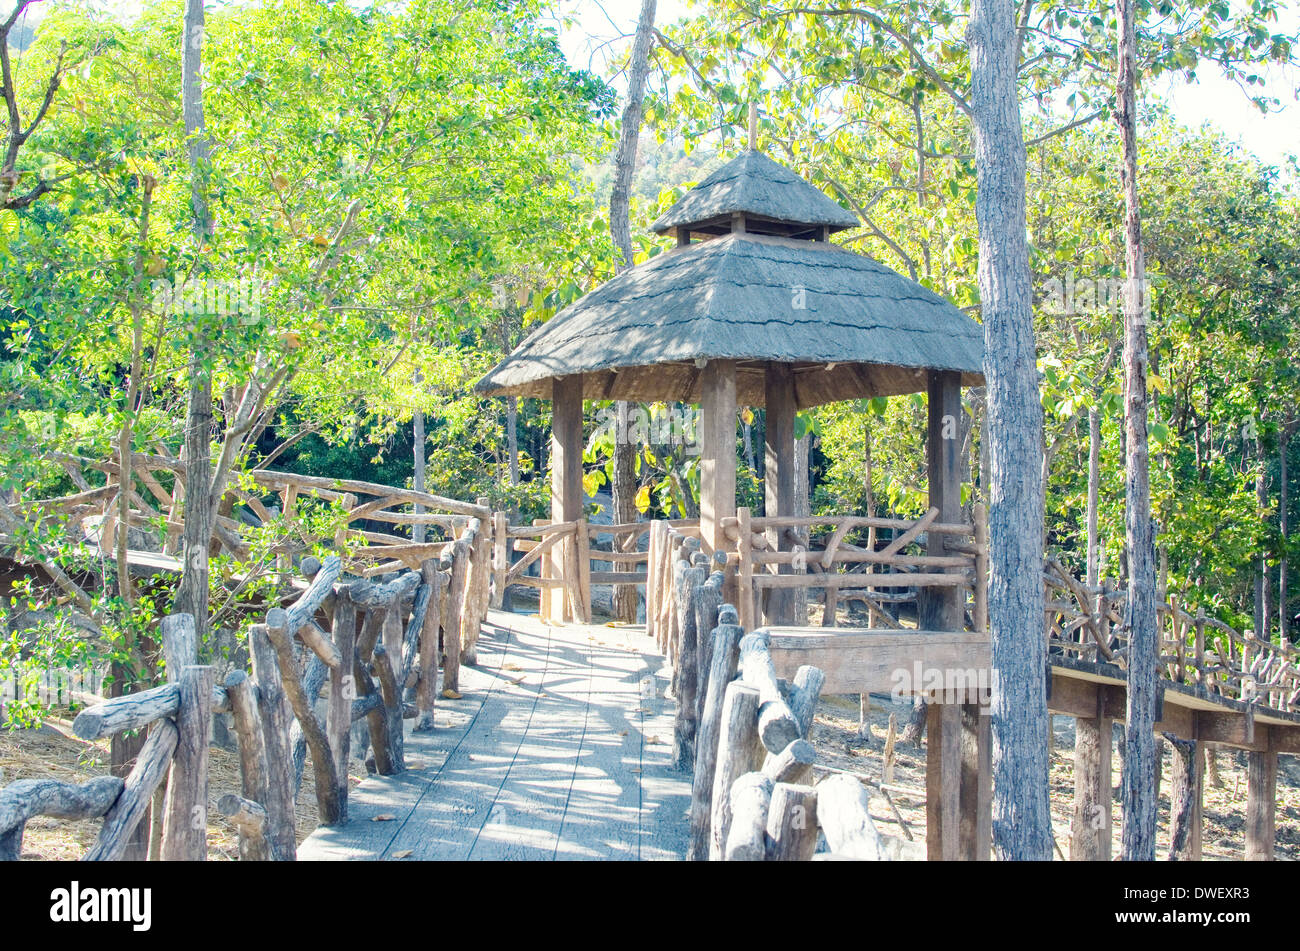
x,y
603,28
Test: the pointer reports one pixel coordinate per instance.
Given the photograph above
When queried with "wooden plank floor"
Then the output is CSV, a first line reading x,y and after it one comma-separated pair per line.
x,y
559,748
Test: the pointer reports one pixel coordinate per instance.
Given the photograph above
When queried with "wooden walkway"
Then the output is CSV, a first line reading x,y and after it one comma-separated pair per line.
x,y
559,748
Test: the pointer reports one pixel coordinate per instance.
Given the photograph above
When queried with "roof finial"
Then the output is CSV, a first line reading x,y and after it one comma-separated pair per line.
x,y
753,125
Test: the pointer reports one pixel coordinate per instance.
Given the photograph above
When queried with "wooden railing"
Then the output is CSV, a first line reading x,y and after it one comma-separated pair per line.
x,y
94,513
1088,622
372,642
770,554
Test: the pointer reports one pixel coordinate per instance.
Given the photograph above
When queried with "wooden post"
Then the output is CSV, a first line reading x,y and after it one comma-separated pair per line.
x,y
686,725
976,783
658,539
426,689
745,572
1261,802
451,620
343,690
792,823
778,474
1090,829
941,608
500,559
717,434
566,476
943,781
582,543
276,717
980,612
185,819
1186,787
735,747
724,659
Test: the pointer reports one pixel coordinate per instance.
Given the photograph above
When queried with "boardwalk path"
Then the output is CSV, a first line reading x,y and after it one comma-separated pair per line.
x,y
560,748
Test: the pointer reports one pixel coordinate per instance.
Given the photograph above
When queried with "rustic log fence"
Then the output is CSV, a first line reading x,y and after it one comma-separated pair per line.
x,y
1087,623
372,644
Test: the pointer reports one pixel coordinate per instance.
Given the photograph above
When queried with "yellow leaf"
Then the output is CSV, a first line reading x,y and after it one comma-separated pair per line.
x,y
747,416
511,667
642,500
383,817
451,694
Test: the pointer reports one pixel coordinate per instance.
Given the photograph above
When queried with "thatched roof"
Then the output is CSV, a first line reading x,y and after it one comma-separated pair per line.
x,y
761,189
863,330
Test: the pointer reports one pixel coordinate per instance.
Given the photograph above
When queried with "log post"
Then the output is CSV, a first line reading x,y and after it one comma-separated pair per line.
x,y
845,820
779,474
686,724
451,623
658,535
323,766
745,571
249,818
1090,830
391,736
426,688
276,719
725,656
582,555
980,609
976,783
943,781
185,813
717,451
794,764
26,798
940,608
1186,786
751,798
136,798
777,726
1261,802
708,602
500,559
566,480
792,823
254,781
735,748
343,690
805,691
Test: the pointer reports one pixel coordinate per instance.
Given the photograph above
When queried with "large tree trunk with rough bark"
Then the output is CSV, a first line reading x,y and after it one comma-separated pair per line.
x,y
620,227
1021,821
1138,795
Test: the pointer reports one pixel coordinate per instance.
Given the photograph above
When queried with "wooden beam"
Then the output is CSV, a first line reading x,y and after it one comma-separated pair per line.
x,y
941,609
1090,828
943,782
566,477
976,839
717,434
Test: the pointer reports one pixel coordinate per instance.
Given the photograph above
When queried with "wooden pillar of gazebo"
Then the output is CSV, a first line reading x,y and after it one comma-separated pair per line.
x,y
959,749
717,436
778,474
566,486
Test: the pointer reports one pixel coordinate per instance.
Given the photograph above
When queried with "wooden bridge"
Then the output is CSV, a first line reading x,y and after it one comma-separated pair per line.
x,y
548,737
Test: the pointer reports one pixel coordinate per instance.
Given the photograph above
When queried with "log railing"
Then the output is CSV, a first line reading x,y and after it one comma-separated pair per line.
x,y
745,734
1088,623
880,572
157,498
375,643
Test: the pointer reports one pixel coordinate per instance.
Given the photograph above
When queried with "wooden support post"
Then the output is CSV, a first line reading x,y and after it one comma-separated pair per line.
x,y
426,689
724,659
1186,787
343,690
976,783
566,479
500,559
943,781
941,607
792,823
778,474
582,558
980,607
717,434
1261,802
745,602
276,717
1090,829
185,818
736,738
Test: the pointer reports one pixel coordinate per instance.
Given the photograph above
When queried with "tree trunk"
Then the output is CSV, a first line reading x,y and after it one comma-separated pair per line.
x,y
1021,821
1263,616
418,530
1094,492
620,226
1283,500
192,592
1140,768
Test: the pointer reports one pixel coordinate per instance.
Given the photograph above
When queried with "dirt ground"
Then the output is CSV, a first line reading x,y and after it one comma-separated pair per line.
x,y
52,752
839,745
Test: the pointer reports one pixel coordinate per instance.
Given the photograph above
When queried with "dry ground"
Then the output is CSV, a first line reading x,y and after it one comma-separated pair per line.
x,y
835,735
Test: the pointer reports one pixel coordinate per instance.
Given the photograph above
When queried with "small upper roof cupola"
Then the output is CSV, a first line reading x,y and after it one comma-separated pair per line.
x,y
756,195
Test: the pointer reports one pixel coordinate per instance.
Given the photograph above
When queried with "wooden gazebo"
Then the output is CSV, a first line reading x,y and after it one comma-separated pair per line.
x,y
753,307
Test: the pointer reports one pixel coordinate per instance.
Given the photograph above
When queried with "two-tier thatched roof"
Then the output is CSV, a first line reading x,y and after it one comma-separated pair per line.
x,y
761,293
